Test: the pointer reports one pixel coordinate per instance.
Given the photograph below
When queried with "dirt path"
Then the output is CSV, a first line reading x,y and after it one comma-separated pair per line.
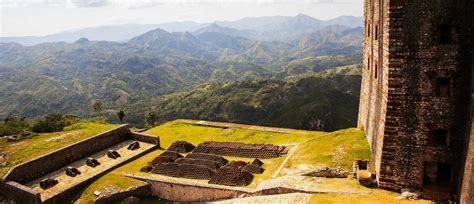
x,y
282,198
288,156
249,127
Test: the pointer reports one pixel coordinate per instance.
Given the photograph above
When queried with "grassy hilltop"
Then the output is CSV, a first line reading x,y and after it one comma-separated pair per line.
x,y
309,148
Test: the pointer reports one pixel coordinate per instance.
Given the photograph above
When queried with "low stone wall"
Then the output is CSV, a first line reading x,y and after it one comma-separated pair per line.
x,y
146,138
189,193
137,191
19,193
182,192
42,165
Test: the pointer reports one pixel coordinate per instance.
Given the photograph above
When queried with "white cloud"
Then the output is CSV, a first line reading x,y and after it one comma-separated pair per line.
x,y
90,3
147,3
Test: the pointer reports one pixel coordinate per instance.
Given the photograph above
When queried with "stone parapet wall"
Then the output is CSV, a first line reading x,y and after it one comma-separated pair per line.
x,y
189,193
137,191
19,193
42,165
152,139
180,192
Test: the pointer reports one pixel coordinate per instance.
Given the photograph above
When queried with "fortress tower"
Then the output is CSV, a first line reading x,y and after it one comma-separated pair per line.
x,y
416,91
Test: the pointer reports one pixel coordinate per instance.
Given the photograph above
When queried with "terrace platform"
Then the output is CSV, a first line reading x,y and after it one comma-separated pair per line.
x,y
87,172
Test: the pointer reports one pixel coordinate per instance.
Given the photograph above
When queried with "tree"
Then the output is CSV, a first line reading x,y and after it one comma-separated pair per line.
x,y
54,122
151,118
121,114
97,106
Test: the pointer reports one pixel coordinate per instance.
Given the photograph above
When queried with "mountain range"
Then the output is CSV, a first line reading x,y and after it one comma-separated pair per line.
x,y
69,77
281,28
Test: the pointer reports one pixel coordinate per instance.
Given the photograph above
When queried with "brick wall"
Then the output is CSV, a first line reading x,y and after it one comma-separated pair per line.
x,y
374,90
152,139
467,188
399,108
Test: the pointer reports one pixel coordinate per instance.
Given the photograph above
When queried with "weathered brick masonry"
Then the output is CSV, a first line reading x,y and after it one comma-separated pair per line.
x,y
415,96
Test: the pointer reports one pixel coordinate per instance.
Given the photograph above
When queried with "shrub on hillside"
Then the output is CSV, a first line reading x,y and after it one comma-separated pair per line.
x,y
13,125
54,122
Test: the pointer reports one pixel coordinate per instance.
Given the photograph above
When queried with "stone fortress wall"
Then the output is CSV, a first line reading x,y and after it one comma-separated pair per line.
x,y
467,193
42,165
13,185
415,89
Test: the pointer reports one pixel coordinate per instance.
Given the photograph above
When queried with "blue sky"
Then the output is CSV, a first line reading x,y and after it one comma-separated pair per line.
x,y
42,17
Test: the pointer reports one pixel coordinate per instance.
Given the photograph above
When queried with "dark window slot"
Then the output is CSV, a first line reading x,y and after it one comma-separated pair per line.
x,y
443,86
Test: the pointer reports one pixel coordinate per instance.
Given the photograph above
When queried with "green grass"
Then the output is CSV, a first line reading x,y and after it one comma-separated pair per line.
x,y
375,196
180,130
316,148
320,151
110,179
30,148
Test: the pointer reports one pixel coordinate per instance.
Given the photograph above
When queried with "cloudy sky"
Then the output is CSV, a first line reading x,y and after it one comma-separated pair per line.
x,y
42,17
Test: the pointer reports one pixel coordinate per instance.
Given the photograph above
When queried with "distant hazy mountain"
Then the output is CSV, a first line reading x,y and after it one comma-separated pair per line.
x,y
102,33
68,77
349,21
275,28
214,28
286,29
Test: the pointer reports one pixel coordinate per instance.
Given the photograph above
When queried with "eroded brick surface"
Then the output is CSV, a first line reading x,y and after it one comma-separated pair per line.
x,y
415,91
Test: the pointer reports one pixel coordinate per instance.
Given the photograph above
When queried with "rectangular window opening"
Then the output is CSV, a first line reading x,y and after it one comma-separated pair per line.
x,y
368,30
444,174
441,137
445,34
376,32
368,62
363,165
437,174
376,70
443,86
438,137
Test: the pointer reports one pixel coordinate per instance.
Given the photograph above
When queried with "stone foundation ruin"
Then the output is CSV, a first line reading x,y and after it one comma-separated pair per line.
x,y
328,173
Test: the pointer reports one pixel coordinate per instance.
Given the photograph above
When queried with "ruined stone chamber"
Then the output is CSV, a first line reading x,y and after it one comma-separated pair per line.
x,y
54,177
415,95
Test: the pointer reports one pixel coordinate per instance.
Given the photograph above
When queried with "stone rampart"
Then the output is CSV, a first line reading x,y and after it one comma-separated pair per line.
x,y
45,164
19,193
